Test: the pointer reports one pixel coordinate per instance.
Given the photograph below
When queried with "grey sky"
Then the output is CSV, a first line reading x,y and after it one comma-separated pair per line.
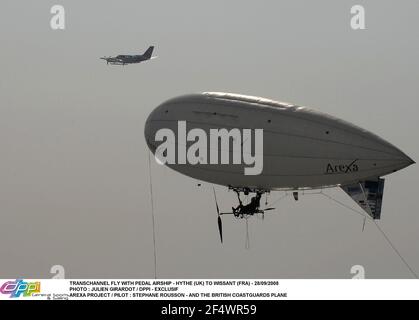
x,y
74,186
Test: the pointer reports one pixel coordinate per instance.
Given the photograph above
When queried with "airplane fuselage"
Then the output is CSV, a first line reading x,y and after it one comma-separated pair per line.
x,y
130,59
126,59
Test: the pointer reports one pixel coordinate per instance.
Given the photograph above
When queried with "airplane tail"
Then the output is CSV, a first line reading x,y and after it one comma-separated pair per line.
x,y
149,52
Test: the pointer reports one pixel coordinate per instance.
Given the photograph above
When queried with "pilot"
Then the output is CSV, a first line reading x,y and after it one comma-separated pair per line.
x,y
250,208
238,210
254,203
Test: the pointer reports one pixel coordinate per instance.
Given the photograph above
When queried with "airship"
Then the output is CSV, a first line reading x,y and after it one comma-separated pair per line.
x,y
256,145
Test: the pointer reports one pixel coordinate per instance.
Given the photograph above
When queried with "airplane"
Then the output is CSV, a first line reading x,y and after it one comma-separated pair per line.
x,y
302,149
129,59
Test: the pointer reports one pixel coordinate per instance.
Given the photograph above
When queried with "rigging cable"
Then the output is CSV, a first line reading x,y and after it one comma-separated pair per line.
x,y
395,249
381,231
247,243
152,216
279,199
344,205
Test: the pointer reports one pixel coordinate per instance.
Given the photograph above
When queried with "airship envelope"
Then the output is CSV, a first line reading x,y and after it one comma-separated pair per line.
x,y
250,142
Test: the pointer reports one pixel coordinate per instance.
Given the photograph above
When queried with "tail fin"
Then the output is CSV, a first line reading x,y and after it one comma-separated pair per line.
x,y
368,194
149,52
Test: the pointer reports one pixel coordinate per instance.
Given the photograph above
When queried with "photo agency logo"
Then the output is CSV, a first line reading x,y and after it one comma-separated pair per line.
x,y
217,145
20,288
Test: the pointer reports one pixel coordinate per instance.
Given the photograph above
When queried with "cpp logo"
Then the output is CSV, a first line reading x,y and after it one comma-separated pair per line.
x,y
20,287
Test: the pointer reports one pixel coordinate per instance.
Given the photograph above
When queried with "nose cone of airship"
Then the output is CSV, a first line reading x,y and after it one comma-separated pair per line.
x,y
410,161
148,133
389,157
152,124
404,162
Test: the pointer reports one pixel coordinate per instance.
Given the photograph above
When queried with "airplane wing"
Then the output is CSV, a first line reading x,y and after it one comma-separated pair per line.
x,y
368,195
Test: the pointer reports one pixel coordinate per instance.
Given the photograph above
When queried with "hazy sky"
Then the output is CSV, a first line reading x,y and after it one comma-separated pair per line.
x,y
74,187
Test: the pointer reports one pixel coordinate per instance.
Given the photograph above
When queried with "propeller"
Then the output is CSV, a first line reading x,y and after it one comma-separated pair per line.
x,y
262,212
220,223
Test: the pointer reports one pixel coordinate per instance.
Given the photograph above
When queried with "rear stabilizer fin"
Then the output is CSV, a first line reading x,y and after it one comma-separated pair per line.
x,y
368,194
